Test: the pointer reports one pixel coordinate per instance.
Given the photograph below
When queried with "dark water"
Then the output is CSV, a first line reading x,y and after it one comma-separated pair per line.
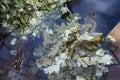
x,y
107,12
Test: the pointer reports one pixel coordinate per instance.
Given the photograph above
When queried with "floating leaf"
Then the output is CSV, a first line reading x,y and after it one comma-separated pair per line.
x,y
64,10
50,31
33,21
13,41
28,31
80,78
35,33
46,62
52,68
14,12
22,20
4,8
100,52
8,16
111,38
6,1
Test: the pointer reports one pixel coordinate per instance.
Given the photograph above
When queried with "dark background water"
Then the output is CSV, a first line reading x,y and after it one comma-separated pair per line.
x,y
107,12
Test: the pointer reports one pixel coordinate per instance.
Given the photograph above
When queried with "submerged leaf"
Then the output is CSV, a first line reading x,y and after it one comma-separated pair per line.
x,y
13,52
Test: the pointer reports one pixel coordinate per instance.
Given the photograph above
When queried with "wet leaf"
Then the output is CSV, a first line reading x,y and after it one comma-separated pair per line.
x,y
8,16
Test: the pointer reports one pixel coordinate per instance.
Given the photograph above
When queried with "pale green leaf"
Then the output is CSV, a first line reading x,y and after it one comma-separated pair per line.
x,y
8,16
13,41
